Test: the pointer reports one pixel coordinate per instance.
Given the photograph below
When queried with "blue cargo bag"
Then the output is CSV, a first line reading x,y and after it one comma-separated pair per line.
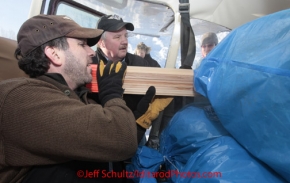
x,y
247,80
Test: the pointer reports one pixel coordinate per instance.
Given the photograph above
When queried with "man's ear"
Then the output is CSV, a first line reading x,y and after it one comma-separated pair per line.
x,y
102,43
52,54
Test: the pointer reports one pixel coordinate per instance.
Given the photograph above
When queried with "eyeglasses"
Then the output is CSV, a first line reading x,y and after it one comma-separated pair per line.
x,y
208,45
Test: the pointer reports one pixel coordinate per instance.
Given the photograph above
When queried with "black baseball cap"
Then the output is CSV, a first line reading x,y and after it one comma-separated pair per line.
x,y
113,23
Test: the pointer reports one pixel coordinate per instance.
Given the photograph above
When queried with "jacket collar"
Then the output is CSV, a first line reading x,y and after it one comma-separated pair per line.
x,y
101,56
58,78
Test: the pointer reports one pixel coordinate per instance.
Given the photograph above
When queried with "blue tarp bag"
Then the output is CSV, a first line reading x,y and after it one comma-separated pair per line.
x,y
224,160
190,128
247,80
145,162
195,142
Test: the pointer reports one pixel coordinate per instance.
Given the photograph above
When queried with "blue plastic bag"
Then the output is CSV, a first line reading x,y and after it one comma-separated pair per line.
x,y
192,143
224,160
144,164
247,80
189,129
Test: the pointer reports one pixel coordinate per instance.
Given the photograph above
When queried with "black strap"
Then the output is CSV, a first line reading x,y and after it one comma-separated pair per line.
x,y
187,38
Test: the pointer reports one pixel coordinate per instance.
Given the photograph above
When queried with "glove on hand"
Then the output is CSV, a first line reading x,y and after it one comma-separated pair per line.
x,y
143,104
110,80
159,103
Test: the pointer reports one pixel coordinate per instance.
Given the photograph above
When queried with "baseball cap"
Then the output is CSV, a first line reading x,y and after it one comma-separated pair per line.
x,y
209,38
113,23
43,28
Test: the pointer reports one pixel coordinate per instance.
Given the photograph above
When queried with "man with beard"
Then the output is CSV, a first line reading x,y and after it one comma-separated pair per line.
x,y
50,130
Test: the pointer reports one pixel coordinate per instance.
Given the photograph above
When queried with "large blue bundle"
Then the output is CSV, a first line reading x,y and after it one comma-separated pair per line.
x,y
193,144
224,160
189,129
247,80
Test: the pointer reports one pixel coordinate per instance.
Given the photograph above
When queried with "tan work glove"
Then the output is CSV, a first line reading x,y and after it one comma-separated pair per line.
x,y
159,103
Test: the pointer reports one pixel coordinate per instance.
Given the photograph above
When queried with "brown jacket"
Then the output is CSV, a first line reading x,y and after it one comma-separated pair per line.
x,y
43,122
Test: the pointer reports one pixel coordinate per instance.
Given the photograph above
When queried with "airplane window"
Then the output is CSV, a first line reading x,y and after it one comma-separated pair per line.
x,y
153,23
83,18
199,28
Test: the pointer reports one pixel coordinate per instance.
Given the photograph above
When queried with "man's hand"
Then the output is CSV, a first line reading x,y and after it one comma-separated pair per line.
x,y
110,80
143,104
145,117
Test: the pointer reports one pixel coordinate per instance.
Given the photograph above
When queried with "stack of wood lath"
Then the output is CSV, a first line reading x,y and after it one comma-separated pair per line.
x,y
169,82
